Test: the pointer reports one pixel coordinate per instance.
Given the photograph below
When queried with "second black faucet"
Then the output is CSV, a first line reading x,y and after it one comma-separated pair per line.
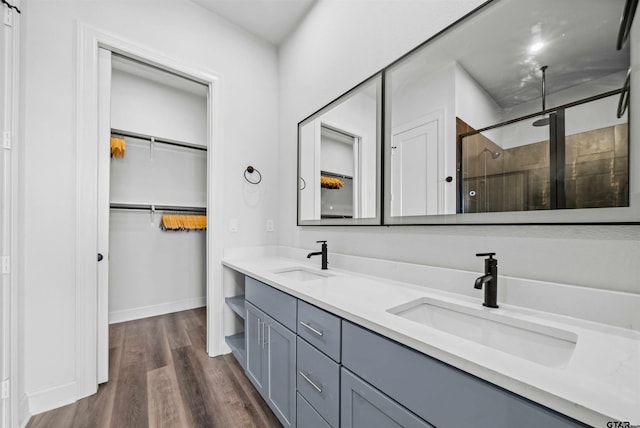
x,y
322,253
489,280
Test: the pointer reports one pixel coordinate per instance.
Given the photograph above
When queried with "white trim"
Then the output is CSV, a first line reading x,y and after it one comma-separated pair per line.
x,y
154,310
51,398
9,359
24,414
89,40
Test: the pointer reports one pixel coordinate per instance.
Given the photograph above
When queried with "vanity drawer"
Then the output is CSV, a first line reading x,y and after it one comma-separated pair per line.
x,y
278,305
307,416
320,328
319,381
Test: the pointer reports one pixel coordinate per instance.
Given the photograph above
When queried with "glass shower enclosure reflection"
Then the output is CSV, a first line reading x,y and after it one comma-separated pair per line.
x,y
579,160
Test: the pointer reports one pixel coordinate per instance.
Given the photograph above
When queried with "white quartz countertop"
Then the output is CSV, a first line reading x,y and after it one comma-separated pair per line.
x,y
600,383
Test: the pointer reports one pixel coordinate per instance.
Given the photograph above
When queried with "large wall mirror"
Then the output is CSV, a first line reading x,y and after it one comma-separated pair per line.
x,y
338,160
512,116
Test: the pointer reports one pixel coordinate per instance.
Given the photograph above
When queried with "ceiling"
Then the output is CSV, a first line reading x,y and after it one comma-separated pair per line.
x,y
493,46
577,39
271,20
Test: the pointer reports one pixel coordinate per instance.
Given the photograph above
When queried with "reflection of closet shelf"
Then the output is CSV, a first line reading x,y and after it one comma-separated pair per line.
x,y
121,133
236,343
236,303
152,207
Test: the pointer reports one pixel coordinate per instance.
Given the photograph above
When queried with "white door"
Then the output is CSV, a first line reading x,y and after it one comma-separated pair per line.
x,y
415,170
104,156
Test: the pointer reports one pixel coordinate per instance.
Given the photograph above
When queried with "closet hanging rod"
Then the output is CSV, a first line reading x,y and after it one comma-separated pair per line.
x,y
149,207
121,133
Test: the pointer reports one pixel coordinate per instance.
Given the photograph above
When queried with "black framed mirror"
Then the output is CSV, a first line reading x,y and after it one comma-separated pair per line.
x,y
515,114
510,116
339,160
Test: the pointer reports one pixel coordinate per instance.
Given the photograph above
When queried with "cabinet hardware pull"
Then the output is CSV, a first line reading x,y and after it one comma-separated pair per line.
x,y
312,383
265,330
259,333
318,332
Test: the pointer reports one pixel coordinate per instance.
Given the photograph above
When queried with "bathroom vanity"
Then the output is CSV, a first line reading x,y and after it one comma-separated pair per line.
x,y
341,349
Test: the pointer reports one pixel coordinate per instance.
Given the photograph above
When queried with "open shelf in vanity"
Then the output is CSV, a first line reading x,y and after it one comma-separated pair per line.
x,y
236,341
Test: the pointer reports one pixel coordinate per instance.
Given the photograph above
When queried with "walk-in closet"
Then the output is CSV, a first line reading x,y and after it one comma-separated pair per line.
x,y
156,185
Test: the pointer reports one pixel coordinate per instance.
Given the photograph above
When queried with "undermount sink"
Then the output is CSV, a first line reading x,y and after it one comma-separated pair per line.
x,y
302,274
541,344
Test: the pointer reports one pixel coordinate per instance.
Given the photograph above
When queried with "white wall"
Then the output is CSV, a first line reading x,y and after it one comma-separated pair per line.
x,y
153,271
180,30
475,106
324,58
145,106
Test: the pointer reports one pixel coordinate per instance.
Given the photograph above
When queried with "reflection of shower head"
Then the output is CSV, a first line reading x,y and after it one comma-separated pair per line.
x,y
541,122
494,155
545,120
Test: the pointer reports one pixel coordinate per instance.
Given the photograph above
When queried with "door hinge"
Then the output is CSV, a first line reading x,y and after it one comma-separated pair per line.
x,y
8,17
5,388
6,265
6,140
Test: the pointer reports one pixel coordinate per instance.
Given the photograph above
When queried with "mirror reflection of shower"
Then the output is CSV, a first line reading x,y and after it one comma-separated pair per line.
x,y
494,155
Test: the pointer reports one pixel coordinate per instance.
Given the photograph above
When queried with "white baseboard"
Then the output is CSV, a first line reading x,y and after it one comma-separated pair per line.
x,y
153,310
51,398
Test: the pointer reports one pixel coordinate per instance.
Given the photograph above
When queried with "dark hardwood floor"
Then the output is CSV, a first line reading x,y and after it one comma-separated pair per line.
x,y
161,376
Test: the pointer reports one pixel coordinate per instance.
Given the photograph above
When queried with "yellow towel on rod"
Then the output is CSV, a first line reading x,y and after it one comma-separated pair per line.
x,y
118,147
330,182
183,222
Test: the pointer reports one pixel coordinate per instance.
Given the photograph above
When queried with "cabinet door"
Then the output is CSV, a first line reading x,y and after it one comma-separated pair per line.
x,y
255,346
307,417
364,407
280,371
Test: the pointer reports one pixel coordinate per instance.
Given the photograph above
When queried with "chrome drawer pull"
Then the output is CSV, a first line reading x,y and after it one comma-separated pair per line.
x,y
318,332
312,383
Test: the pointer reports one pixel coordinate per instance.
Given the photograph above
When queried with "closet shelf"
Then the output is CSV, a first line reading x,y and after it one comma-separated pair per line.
x,y
236,303
152,207
237,345
122,133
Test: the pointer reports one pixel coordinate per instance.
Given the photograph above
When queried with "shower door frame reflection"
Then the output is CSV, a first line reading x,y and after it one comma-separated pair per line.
x,y
557,159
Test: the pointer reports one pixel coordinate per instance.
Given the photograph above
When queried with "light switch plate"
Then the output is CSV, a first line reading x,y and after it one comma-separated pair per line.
x,y
269,225
233,225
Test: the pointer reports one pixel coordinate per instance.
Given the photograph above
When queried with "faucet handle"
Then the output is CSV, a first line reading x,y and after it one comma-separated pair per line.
x,y
321,242
490,255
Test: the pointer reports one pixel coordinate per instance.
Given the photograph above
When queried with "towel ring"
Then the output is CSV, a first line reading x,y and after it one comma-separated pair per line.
x,y
251,170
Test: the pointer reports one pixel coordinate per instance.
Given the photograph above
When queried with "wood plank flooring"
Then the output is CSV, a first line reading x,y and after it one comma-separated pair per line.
x,y
161,376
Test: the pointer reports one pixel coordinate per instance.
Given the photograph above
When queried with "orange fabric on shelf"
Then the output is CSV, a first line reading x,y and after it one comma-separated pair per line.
x,y
118,147
183,222
330,182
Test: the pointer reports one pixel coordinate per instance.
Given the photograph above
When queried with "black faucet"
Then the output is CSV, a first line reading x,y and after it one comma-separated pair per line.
x,y
489,280
322,253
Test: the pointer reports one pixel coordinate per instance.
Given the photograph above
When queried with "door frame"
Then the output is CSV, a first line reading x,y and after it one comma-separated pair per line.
x,y
11,407
89,39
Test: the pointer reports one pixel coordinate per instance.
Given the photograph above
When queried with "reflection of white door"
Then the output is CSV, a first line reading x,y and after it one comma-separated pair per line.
x,y
415,169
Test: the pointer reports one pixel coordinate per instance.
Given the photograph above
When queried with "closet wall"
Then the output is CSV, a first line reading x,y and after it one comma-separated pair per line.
x,y
152,271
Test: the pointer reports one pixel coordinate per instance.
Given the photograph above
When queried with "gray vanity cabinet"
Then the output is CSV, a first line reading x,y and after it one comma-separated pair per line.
x,y
254,346
438,393
271,347
364,406
271,362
